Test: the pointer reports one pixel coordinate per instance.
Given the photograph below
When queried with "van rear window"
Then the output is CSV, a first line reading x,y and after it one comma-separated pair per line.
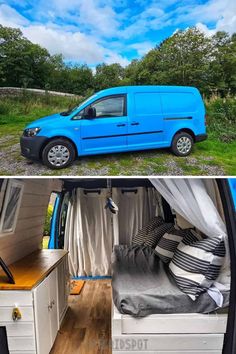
x,y
174,103
147,103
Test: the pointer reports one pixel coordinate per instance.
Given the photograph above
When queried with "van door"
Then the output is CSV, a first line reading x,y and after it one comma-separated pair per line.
x,y
145,128
107,132
227,194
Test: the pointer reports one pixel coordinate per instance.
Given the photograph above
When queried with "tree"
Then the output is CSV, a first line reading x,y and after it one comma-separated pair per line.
x,y
223,63
182,59
187,57
132,72
22,61
108,76
73,79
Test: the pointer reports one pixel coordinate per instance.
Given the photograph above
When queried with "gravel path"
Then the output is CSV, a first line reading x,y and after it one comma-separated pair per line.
x,y
139,163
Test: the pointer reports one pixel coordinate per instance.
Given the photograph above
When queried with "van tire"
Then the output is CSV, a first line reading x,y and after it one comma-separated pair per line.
x,y
66,151
182,144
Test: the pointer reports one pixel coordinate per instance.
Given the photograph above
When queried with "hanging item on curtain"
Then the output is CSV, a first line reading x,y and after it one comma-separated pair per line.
x,y
89,234
110,204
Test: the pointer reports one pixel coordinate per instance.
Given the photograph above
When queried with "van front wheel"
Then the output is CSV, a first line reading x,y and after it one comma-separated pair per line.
x,y
59,153
182,144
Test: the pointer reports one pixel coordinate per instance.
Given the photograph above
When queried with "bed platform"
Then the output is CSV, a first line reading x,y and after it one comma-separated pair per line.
x,y
189,333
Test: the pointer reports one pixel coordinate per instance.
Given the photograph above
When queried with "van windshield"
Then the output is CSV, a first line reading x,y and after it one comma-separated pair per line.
x,y
75,108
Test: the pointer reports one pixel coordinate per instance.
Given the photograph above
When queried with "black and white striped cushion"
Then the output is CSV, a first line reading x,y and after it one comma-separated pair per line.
x,y
141,236
155,235
167,245
196,263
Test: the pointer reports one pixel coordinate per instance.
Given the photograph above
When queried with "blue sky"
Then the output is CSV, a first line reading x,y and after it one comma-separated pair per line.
x,y
95,31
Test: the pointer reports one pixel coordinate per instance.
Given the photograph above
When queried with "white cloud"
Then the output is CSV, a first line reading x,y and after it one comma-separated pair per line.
x,y
95,31
203,28
142,47
9,17
220,13
94,16
101,19
151,18
112,57
73,45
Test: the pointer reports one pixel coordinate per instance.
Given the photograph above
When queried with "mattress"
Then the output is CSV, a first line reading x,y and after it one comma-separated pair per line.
x,y
142,285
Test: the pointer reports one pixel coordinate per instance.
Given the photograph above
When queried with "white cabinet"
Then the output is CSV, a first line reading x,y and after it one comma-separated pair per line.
x,y
42,309
46,313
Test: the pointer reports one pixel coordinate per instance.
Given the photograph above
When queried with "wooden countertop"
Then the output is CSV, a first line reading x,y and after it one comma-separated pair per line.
x,y
32,269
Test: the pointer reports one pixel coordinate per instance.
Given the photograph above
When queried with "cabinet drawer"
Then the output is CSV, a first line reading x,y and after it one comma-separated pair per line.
x,y
12,298
23,344
26,313
19,329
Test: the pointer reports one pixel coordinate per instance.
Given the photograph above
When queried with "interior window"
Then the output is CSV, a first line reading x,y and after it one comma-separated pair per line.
x,y
10,208
3,185
110,107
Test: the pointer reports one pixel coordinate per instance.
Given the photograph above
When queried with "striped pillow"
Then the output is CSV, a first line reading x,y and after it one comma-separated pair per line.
x,y
141,236
196,263
167,245
155,235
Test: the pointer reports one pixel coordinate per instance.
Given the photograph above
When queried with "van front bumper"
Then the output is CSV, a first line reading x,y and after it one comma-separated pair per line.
x,y
31,146
200,137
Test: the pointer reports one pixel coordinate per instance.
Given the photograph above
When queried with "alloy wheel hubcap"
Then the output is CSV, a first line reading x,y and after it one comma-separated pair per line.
x,y
58,155
184,145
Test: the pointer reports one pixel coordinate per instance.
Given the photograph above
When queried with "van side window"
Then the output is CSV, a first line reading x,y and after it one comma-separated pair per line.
x,y
110,107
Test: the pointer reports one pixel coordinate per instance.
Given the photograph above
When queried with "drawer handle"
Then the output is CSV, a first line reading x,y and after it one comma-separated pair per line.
x,y
16,314
49,307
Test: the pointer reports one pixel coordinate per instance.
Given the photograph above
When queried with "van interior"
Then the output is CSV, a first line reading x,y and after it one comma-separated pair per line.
x,y
126,243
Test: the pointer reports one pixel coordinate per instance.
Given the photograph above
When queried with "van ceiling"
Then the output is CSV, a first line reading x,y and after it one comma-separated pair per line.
x,y
90,183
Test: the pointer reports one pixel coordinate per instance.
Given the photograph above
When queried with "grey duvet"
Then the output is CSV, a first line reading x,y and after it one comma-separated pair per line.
x,y
142,285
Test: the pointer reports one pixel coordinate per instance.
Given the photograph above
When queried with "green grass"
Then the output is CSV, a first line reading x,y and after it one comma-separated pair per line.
x,y
215,156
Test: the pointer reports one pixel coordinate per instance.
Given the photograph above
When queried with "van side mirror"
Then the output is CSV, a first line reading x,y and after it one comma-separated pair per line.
x,y
90,112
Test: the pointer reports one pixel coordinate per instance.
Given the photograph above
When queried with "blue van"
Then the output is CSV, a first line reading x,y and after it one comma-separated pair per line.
x,y
119,119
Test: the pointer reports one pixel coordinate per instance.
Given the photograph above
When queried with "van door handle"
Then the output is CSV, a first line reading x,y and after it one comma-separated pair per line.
x,y
135,123
121,125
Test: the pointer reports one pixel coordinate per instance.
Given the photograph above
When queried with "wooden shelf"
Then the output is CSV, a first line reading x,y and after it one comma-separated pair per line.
x,y
32,269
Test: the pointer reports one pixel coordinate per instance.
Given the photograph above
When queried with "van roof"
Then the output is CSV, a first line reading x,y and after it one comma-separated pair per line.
x,y
155,88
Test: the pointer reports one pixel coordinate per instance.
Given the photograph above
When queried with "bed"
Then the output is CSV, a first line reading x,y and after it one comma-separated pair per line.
x,y
150,311
142,285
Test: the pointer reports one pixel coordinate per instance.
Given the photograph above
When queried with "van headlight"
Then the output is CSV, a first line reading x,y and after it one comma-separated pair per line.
x,y
31,131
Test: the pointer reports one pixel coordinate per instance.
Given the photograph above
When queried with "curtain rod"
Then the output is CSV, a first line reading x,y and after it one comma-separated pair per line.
x,y
129,191
87,191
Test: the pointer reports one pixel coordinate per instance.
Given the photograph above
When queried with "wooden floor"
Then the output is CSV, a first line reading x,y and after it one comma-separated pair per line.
x,y
87,325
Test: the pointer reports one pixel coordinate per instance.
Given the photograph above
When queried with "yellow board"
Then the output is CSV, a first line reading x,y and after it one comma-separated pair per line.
x,y
76,286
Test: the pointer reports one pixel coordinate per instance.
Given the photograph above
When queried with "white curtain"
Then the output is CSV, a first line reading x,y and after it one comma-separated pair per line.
x,y
91,230
190,198
89,234
136,207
